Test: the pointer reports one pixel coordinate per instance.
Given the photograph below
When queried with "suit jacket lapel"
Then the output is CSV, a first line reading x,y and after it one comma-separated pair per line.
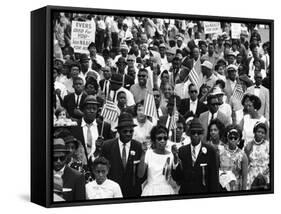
x,y
188,156
117,152
66,176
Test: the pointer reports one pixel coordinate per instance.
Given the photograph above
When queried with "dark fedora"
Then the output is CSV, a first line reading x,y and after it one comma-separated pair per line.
x,y
125,120
84,58
59,145
195,125
90,99
71,139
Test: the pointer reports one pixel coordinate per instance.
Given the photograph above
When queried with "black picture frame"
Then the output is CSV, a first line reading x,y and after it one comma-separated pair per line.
x,y
41,100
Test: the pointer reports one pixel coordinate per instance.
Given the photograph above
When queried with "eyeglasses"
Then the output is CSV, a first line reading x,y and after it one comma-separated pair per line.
x,y
232,137
61,158
143,76
196,132
162,138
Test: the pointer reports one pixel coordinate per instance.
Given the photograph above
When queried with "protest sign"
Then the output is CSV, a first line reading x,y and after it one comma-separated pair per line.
x,y
82,34
212,27
235,30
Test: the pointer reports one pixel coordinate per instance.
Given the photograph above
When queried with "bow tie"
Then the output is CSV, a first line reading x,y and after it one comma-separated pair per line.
x,y
257,86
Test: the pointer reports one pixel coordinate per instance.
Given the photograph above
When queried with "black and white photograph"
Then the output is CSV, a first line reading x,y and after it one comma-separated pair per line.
x,y
137,107
149,105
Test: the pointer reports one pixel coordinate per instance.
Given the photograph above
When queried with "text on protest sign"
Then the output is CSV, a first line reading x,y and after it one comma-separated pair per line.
x,y
82,34
235,30
212,27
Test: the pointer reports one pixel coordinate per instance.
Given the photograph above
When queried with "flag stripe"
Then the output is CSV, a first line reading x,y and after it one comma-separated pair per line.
x,y
110,111
149,106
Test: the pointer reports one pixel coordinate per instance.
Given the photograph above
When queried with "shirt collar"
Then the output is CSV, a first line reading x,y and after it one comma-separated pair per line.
x,y
121,143
198,146
83,123
60,172
194,101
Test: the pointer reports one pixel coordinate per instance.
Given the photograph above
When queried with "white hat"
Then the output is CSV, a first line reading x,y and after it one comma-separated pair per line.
x,y
217,91
123,46
207,64
231,67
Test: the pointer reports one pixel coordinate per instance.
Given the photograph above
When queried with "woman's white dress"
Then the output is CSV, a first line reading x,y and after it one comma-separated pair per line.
x,y
158,174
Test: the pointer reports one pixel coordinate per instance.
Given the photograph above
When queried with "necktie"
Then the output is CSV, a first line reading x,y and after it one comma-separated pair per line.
x,y
124,155
193,155
77,102
89,136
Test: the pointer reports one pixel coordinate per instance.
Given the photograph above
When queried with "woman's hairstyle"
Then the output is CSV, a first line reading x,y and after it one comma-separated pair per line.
x,y
260,125
100,160
92,81
156,130
140,103
245,97
237,129
164,72
256,101
220,127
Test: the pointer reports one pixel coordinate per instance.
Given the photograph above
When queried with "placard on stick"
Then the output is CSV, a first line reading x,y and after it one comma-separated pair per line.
x,y
212,27
82,34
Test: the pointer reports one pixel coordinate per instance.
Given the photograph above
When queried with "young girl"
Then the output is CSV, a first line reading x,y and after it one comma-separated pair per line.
x,y
61,118
102,187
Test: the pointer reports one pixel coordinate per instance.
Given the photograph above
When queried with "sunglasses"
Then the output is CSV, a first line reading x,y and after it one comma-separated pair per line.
x,y
61,158
143,76
232,137
128,131
162,138
193,91
156,95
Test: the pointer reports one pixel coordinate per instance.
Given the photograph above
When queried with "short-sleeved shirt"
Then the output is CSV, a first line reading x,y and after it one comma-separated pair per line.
x,y
108,189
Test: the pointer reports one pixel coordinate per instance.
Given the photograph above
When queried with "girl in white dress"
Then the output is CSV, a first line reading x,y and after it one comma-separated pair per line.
x,y
102,187
157,161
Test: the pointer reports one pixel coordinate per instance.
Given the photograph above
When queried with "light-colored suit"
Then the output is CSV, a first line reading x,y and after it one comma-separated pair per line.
x,y
264,97
204,120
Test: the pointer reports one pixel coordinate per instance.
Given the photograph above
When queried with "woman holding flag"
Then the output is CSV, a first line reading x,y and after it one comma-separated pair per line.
x,y
157,162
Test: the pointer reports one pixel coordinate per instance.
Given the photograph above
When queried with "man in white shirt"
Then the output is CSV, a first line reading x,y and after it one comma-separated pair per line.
x,y
261,92
225,108
208,76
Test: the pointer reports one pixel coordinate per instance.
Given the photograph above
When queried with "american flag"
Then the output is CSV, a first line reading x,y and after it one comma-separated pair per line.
x,y
194,74
238,92
174,119
110,111
149,105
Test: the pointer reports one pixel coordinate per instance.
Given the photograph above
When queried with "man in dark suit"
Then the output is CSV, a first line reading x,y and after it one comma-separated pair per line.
x,y
90,130
213,113
73,102
105,83
69,184
195,167
192,106
124,154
